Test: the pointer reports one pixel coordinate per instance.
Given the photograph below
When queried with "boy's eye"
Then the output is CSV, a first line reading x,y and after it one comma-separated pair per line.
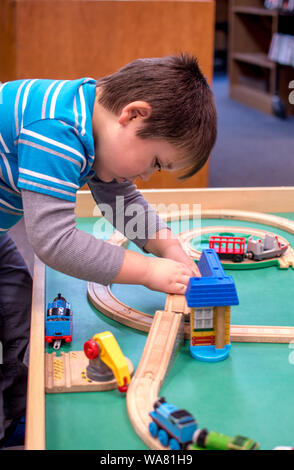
x,y
157,165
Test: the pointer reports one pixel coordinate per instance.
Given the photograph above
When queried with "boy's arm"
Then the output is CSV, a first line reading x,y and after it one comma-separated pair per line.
x,y
167,245
153,234
160,274
127,210
51,229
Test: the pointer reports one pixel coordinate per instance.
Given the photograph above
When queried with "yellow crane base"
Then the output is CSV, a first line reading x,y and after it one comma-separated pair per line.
x,y
67,373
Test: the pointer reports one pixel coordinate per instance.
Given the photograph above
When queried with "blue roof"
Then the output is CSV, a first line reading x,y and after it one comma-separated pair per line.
x,y
214,288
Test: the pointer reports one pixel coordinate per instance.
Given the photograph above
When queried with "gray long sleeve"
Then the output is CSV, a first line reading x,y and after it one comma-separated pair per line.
x,y
127,210
51,229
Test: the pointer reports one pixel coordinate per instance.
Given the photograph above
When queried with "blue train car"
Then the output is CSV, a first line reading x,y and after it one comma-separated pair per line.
x,y
174,427
58,322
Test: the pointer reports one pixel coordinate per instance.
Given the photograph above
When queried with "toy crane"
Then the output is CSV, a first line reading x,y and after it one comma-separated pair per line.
x,y
106,360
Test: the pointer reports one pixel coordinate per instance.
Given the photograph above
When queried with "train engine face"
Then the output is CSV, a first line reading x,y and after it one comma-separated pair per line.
x,y
58,323
174,427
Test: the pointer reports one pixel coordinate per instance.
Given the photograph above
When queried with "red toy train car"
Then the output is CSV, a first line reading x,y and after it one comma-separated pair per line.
x,y
229,247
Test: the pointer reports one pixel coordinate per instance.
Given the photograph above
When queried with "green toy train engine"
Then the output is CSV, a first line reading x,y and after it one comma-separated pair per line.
x,y
211,440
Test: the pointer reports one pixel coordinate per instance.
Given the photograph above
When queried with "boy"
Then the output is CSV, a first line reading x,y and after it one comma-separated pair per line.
x,y
55,136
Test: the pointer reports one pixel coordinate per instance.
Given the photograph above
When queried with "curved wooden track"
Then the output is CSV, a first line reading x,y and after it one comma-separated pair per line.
x,y
144,388
106,302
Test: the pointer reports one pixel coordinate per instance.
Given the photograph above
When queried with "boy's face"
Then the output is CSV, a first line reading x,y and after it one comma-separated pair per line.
x,y
120,154
134,158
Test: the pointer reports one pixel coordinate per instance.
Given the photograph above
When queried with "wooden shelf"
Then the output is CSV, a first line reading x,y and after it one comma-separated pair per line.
x,y
254,58
251,97
255,79
254,11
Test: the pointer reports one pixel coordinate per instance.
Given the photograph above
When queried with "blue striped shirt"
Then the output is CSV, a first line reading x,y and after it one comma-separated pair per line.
x,y
46,141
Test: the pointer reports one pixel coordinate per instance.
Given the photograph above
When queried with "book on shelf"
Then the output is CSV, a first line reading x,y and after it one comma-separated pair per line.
x,y
282,49
283,5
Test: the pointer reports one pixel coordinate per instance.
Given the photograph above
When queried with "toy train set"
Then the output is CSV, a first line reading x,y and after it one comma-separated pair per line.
x,y
235,249
175,428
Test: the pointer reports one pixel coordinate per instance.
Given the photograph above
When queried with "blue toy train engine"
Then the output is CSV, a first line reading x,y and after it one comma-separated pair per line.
x,y
58,323
174,427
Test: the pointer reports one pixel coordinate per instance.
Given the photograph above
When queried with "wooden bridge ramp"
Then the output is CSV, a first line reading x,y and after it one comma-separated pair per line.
x,y
166,331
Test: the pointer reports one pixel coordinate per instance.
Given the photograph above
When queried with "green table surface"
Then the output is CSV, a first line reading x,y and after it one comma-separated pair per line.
x,y
250,393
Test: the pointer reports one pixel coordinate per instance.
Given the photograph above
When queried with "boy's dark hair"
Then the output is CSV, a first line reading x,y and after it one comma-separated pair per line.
x,y
183,109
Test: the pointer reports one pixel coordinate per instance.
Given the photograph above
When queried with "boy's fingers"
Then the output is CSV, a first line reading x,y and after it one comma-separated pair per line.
x,y
191,269
195,270
180,285
180,288
184,280
187,270
182,274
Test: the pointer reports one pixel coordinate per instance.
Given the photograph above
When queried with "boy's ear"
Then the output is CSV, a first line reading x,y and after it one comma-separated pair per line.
x,y
135,110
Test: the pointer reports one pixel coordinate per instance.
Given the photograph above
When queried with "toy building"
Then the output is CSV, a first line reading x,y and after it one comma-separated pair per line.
x,y
210,297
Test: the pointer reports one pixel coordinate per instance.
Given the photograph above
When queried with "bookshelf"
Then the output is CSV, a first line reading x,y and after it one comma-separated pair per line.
x,y
221,35
255,80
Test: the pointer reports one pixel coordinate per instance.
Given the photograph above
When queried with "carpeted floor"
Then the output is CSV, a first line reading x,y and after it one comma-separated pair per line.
x,y
252,148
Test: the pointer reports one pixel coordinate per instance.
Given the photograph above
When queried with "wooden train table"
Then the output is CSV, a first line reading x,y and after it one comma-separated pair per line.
x,y
250,393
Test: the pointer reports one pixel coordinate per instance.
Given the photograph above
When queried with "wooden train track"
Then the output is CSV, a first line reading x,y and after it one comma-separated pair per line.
x,y
165,332
107,303
261,334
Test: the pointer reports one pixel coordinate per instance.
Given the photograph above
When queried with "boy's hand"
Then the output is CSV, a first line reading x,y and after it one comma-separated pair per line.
x,y
166,245
166,275
176,253
168,272
160,274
